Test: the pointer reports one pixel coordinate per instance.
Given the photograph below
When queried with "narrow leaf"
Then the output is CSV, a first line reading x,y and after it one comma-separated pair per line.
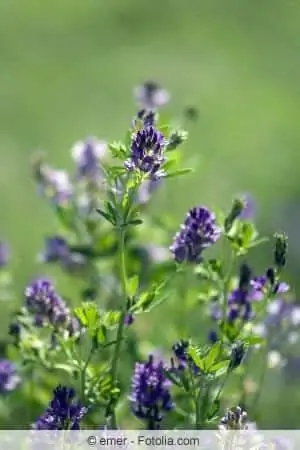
x,y
178,173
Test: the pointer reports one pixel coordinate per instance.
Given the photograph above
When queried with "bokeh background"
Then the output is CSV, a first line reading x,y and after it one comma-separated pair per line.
x,y
68,69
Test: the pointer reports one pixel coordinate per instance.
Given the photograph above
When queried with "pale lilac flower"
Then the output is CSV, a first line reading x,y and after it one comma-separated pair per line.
x,y
88,154
151,95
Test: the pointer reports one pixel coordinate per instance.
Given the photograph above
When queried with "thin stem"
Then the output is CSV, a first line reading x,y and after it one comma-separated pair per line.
x,y
222,386
110,411
226,284
196,399
84,369
255,402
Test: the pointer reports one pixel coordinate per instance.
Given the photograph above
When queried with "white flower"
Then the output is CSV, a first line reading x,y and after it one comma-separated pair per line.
x,y
275,360
295,316
274,307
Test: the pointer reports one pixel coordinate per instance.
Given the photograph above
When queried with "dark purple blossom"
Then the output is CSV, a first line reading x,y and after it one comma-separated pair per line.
x,y
238,352
9,379
235,419
129,319
4,254
144,118
180,350
198,232
150,397
212,336
251,290
147,152
63,413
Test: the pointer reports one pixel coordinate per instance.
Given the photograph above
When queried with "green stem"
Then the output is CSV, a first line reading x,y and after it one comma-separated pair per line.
x,y
226,284
255,402
110,411
84,369
222,386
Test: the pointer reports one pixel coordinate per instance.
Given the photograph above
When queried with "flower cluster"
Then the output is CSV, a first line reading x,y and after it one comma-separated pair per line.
x,y
198,232
235,419
88,155
57,249
48,308
150,397
147,152
9,379
63,413
180,350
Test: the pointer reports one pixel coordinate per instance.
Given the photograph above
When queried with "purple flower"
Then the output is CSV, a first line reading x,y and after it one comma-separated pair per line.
x,y
150,397
47,307
87,155
129,319
9,379
144,118
63,413
235,419
4,254
249,207
147,152
240,299
180,350
151,95
198,232
212,336
56,249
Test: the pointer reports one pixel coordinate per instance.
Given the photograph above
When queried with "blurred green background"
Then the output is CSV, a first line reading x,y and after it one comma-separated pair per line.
x,y
67,71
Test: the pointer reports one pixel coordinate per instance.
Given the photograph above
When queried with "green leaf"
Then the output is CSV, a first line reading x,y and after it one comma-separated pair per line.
x,y
133,285
220,368
106,216
197,360
178,173
65,215
214,409
213,355
88,315
170,376
254,340
111,319
135,222
65,368
101,334
118,150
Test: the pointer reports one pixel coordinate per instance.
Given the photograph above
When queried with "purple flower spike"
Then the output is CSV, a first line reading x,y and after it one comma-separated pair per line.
x,y
47,307
198,232
150,397
63,413
147,152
